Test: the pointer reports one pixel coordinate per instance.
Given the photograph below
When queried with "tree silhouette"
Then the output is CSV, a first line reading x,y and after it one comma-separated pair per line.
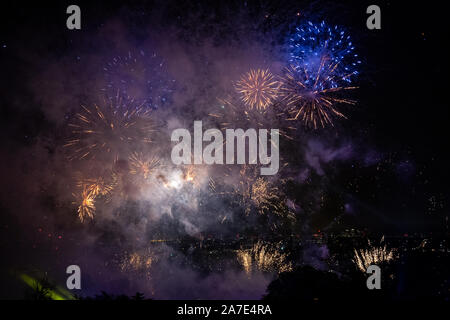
x,y
138,296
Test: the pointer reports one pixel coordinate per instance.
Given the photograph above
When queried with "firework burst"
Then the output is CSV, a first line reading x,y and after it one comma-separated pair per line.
x,y
321,71
107,129
91,189
264,257
256,193
310,98
142,166
86,204
258,89
373,255
311,41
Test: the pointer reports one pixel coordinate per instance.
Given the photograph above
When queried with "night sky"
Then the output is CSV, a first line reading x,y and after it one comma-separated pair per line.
x,y
382,170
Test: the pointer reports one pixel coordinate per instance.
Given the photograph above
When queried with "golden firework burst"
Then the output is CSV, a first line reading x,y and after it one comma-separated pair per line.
x,y
97,186
141,165
108,128
258,88
86,204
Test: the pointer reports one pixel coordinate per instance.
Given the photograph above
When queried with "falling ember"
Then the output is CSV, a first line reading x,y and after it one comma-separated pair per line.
x,y
258,88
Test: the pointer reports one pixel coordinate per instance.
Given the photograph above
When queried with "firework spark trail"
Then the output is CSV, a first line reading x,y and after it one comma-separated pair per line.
x,y
90,190
258,88
108,129
97,186
374,255
264,257
86,208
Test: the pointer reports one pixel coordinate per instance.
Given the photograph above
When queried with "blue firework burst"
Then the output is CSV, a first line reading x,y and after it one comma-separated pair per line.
x,y
319,46
322,67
